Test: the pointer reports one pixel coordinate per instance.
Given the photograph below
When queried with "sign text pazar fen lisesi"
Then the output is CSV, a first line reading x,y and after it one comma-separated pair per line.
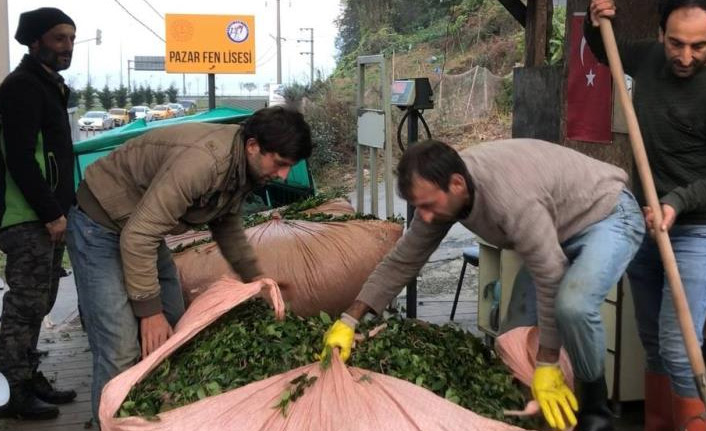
x,y
210,56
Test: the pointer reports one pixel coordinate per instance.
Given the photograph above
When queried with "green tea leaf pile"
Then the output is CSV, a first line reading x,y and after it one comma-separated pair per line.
x,y
248,344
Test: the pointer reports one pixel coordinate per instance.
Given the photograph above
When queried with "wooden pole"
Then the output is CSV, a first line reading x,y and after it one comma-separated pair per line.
x,y
669,261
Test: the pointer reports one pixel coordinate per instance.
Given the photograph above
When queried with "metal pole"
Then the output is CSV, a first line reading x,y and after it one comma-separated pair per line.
x,y
128,76
279,49
211,91
412,137
387,107
4,41
360,163
311,49
88,65
121,63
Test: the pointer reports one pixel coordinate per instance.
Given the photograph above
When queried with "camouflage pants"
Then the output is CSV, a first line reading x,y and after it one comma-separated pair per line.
x,y
32,274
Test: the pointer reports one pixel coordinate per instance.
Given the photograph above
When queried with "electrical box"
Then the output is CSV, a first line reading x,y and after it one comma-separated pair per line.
x,y
414,93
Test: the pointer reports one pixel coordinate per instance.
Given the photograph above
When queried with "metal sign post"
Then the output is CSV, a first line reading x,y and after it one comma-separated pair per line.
x,y
412,95
372,133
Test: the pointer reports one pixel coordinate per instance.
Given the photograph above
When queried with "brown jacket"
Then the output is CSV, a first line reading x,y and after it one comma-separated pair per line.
x,y
166,181
530,196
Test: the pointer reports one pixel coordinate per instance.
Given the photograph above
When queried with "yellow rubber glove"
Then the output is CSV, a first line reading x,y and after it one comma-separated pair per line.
x,y
555,398
340,335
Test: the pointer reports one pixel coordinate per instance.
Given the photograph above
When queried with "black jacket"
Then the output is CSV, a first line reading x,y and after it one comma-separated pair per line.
x,y
37,178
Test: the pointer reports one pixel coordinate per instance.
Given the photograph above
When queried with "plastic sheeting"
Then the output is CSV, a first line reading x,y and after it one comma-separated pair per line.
x,y
517,348
342,399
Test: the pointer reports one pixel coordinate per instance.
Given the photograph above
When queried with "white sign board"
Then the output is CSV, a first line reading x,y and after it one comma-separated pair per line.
x,y
371,128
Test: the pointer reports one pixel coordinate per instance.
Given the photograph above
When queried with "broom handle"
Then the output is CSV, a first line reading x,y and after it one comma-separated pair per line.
x,y
693,349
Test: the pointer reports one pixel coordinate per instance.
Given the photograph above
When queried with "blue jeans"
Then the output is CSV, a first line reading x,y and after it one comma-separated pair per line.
x,y
112,328
656,317
598,257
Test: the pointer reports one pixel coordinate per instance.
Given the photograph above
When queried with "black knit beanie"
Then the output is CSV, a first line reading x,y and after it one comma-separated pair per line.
x,y
35,23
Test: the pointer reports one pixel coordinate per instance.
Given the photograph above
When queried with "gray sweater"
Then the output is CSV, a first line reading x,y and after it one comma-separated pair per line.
x,y
530,196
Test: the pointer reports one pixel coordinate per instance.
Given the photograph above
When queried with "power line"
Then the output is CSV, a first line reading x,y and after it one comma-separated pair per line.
x,y
155,10
142,23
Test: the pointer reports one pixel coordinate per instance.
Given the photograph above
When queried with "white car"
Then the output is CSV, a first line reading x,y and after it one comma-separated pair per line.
x,y
95,120
137,112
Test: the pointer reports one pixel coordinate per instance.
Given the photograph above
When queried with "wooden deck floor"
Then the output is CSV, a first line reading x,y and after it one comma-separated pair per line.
x,y
69,363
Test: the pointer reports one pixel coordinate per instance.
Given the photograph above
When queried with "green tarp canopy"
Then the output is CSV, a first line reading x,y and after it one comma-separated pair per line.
x,y
298,184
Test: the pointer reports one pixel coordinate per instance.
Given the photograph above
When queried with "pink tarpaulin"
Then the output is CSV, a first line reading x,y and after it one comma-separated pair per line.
x,y
342,399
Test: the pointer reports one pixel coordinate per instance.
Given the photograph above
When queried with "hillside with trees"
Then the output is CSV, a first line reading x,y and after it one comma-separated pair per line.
x,y
463,46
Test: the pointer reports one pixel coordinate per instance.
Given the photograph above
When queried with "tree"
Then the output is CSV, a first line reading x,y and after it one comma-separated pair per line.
x,y
249,86
136,97
87,95
120,95
172,93
159,96
74,96
148,94
105,96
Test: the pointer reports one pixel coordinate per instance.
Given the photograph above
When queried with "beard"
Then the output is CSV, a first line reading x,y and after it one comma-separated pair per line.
x,y
56,61
254,176
686,72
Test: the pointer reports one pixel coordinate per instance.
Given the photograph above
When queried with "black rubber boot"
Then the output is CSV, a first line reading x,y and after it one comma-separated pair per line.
x,y
45,392
594,413
24,404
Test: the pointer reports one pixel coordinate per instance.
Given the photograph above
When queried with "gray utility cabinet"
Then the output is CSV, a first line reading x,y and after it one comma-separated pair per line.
x,y
625,357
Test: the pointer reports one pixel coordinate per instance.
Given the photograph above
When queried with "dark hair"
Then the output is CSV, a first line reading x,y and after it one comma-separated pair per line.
x,y
279,130
433,161
666,7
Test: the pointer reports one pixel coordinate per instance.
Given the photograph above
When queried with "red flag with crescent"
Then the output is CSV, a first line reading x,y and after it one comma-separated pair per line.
x,y
589,91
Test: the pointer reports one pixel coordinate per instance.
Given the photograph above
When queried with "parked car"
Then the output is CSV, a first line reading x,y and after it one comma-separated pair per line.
x,y
162,112
95,120
189,106
177,108
119,116
137,112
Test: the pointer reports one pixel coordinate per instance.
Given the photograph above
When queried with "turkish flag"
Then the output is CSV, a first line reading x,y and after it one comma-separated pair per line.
x,y
590,91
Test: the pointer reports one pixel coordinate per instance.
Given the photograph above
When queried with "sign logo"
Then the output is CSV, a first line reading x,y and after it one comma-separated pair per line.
x,y
238,31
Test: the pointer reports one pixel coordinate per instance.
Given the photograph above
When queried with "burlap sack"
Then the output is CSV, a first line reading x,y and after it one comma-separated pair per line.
x,y
319,266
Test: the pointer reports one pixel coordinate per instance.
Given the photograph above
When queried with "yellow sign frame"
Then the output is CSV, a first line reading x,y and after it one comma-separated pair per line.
x,y
210,43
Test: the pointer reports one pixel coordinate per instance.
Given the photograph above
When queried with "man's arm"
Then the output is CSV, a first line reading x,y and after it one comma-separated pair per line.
x,y
166,200
21,111
397,268
229,234
402,264
631,52
535,239
691,197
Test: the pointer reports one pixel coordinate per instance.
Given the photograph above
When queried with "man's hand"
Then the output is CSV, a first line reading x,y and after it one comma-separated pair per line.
x,y
155,330
601,9
340,335
555,398
56,229
669,215
269,291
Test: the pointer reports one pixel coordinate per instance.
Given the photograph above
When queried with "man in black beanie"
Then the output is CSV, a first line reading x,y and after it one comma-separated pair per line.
x,y
36,191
